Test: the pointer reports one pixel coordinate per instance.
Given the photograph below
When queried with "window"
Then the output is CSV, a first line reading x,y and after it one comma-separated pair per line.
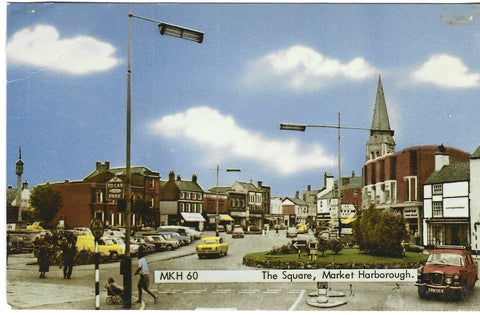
x,y
437,208
437,189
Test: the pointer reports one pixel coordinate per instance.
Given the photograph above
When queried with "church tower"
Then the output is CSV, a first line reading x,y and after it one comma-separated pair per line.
x,y
381,136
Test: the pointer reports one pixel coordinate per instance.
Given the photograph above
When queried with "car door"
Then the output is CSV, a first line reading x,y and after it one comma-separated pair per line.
x,y
470,270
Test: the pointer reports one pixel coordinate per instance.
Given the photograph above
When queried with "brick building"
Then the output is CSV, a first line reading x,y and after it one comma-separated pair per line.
x,y
394,180
101,195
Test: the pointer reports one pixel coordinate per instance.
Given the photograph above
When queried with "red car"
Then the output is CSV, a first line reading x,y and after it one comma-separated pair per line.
x,y
449,270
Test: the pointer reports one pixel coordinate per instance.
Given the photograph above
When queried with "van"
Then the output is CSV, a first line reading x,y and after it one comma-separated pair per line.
x,y
175,228
302,228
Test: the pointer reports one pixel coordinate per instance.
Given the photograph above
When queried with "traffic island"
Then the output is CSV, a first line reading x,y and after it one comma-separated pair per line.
x,y
325,298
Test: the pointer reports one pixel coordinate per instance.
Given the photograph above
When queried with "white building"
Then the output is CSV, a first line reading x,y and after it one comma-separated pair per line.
x,y
452,203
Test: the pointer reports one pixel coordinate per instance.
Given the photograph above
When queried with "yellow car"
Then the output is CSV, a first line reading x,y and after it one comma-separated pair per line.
x,y
87,242
211,245
302,228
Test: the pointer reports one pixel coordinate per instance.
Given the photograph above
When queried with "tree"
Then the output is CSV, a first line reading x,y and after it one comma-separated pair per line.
x,y
380,232
45,201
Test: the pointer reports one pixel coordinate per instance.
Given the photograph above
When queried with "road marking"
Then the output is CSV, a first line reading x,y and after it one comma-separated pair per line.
x,y
294,305
271,291
252,291
193,291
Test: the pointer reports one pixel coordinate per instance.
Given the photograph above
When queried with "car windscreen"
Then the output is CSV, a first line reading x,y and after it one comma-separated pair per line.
x,y
445,259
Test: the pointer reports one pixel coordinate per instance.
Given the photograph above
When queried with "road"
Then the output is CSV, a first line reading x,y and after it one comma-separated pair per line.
x,y
26,291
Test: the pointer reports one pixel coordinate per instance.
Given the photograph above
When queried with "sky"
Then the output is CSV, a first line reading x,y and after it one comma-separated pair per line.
x,y
196,106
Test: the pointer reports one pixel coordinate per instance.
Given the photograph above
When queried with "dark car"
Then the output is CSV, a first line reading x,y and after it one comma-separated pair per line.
x,y
448,271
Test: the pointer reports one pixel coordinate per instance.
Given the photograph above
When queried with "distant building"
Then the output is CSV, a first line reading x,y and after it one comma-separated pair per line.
x,y
295,210
181,202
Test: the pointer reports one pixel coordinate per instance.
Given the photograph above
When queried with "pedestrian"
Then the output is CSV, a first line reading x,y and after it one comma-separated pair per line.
x,y
144,273
276,230
68,254
43,260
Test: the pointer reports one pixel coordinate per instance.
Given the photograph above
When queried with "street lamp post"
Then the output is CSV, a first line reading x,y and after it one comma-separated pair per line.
x,y
164,29
300,127
216,206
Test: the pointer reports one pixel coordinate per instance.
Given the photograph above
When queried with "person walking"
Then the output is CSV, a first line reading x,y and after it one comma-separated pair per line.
x,y
43,260
144,273
68,254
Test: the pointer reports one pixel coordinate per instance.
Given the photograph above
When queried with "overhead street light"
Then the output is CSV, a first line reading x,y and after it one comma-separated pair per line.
x,y
181,32
165,29
300,127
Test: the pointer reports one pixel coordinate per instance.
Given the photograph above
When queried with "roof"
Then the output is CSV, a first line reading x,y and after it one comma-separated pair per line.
x,y
296,201
380,119
450,173
141,170
476,154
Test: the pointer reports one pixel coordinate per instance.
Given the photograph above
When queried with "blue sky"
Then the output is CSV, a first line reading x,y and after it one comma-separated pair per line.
x,y
221,102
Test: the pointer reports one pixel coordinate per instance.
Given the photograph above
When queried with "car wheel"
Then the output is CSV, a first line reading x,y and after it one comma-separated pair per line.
x,y
169,247
421,291
113,256
464,291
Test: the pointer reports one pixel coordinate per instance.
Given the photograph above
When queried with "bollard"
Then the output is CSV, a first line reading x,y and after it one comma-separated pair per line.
x,y
322,292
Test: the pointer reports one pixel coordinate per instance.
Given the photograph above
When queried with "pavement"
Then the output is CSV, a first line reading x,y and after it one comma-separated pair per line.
x,y
26,291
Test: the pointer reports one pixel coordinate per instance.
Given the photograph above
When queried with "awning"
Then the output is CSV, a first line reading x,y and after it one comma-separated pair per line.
x,y
192,217
225,217
344,221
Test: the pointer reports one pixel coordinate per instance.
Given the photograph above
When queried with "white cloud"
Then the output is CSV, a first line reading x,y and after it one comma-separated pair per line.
x,y
220,136
43,47
446,71
302,68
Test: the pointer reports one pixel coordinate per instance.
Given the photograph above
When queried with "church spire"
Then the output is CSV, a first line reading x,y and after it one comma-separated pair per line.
x,y
381,136
380,120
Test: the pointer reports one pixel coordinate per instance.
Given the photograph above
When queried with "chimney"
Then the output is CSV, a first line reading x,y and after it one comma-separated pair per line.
x,y
103,166
194,178
309,187
328,181
179,178
353,173
442,158
171,176
259,184
297,194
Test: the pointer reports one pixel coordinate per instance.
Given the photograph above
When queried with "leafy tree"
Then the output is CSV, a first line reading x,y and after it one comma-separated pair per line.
x,y
322,245
380,232
336,245
45,201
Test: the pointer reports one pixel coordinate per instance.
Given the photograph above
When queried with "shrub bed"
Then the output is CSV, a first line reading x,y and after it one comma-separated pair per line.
x,y
284,258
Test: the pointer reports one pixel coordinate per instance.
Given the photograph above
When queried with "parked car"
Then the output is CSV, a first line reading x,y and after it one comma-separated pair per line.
x,y
148,247
117,240
161,243
302,228
449,270
238,232
87,242
211,245
20,242
183,239
82,231
291,231
191,231
114,233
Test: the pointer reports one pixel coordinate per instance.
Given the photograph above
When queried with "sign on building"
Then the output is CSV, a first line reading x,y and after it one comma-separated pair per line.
x,y
114,189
